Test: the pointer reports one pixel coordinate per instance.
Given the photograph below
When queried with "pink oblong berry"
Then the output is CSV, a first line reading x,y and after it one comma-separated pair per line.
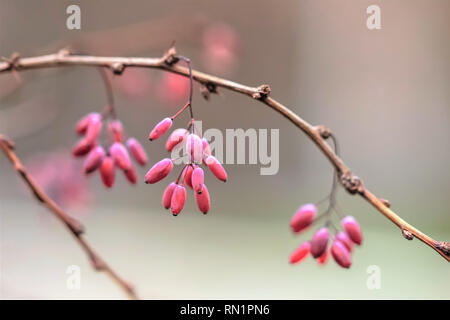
x,y
194,148
120,155
319,242
176,137
341,254
116,130
216,168
83,123
178,199
206,148
94,159
203,200
187,179
167,195
300,253
304,217
93,129
107,172
137,151
160,129
82,148
352,228
131,175
323,258
345,239
198,178
159,171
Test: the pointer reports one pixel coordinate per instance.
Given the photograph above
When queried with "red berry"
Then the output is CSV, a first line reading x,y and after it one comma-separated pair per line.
x,y
94,159
206,148
159,171
83,123
300,253
131,175
187,179
194,148
323,258
167,195
120,155
160,129
176,137
93,129
345,239
107,172
304,217
198,179
116,130
82,148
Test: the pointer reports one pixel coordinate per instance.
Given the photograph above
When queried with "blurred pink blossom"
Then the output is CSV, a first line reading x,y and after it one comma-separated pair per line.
x,y
60,177
173,88
220,43
133,83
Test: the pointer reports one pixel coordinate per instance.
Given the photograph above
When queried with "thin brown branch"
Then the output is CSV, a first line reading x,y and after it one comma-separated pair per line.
x,y
75,227
318,134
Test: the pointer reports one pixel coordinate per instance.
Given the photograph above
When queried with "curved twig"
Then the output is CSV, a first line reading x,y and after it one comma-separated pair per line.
x,y
318,134
74,226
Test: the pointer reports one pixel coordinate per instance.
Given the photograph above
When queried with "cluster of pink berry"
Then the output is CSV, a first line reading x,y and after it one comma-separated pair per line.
x,y
90,127
198,152
343,241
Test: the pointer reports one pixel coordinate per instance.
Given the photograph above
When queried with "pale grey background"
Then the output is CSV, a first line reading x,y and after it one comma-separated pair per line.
x,y
384,93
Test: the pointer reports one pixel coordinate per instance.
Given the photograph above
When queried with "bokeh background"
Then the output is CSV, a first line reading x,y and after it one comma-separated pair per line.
x,y
384,93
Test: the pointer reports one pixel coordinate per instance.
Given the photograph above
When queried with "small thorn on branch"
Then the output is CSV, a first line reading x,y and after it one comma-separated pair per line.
x,y
262,92
407,234
206,90
9,143
324,132
13,61
117,68
64,52
170,57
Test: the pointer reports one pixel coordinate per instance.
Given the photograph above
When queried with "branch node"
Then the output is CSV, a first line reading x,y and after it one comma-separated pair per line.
x,y
386,202
407,234
9,143
353,184
324,132
262,92
117,68
444,247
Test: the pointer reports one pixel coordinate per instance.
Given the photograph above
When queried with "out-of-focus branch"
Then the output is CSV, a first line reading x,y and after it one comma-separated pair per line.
x,y
75,227
210,83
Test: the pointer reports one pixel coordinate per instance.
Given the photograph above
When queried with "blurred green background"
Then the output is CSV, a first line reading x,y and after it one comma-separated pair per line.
x,y
384,93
